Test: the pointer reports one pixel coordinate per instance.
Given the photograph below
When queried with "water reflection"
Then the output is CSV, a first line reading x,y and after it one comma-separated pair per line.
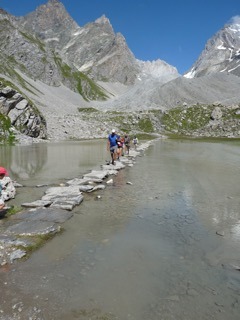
x,y
46,163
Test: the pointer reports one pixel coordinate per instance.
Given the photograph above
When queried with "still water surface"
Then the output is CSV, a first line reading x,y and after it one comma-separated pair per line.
x,y
145,251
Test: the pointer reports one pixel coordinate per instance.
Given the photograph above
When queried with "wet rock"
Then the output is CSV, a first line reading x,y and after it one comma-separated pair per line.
x,y
62,191
112,172
98,187
37,203
97,174
77,182
17,254
86,188
13,241
63,197
44,214
118,165
33,228
64,204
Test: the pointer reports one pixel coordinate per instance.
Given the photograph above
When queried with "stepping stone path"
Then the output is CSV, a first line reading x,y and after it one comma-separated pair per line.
x,y
44,217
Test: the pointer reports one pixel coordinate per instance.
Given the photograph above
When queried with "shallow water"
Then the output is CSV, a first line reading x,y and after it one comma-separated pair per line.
x,y
144,251
45,164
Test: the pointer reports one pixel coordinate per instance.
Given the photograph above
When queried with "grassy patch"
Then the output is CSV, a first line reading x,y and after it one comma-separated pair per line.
x,y
6,135
87,88
34,40
13,211
145,125
87,110
187,119
145,136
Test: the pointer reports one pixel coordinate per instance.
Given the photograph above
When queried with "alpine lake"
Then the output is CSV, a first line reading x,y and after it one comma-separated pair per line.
x,y
165,246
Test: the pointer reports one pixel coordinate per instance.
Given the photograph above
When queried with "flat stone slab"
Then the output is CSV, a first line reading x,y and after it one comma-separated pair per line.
x,y
36,204
13,241
43,214
98,187
65,205
111,172
86,188
118,166
63,197
127,161
65,191
96,174
33,228
83,181
77,182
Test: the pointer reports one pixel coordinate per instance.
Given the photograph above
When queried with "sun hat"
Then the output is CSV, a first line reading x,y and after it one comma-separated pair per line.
x,y
3,171
113,130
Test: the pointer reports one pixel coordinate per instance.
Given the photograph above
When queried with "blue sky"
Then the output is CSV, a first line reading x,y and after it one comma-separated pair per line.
x,y
175,31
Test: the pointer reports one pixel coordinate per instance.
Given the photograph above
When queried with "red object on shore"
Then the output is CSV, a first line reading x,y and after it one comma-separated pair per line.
x,y
3,171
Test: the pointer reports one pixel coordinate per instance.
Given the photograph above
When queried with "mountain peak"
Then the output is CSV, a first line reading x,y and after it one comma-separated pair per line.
x,y
102,20
221,53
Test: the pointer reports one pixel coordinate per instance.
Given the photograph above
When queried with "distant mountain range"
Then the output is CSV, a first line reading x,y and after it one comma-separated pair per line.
x,y
49,47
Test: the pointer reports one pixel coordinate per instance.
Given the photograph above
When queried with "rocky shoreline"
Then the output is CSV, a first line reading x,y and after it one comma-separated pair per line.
x,y
40,220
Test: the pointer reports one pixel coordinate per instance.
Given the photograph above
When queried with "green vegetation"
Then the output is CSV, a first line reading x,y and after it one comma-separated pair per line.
x,y
6,135
38,242
145,125
145,136
192,118
198,121
9,70
13,210
34,40
87,88
87,110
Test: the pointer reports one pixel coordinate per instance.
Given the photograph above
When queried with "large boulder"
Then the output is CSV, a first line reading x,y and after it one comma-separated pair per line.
x,y
25,117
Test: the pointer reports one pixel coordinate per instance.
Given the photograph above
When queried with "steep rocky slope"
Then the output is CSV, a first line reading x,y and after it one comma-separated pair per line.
x,y
221,53
85,80
94,49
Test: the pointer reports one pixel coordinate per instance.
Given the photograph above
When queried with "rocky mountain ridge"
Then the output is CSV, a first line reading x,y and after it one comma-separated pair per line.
x,y
221,53
48,45
65,69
